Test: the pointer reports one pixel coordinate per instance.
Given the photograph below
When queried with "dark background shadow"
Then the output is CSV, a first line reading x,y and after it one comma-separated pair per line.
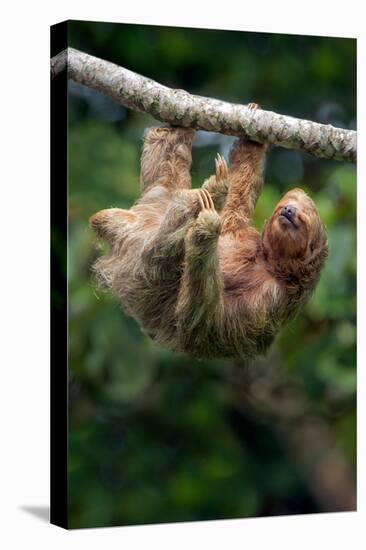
x,y
40,512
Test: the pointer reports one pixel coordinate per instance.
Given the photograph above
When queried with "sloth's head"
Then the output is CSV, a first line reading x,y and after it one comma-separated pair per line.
x,y
295,231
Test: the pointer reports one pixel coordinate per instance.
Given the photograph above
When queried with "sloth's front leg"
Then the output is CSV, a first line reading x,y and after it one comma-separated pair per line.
x,y
163,254
218,185
200,307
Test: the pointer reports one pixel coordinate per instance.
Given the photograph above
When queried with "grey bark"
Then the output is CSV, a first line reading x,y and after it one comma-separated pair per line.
x,y
179,108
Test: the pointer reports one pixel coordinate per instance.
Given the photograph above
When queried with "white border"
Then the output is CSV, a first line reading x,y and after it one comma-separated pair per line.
x,y
24,270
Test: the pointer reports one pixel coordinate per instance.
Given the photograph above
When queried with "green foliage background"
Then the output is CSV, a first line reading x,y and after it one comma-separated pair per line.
x,y
153,435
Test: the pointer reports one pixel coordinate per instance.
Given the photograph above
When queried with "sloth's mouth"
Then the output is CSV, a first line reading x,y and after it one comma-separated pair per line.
x,y
287,219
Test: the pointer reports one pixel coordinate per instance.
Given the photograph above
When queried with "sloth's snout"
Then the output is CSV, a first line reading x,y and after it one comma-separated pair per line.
x,y
289,211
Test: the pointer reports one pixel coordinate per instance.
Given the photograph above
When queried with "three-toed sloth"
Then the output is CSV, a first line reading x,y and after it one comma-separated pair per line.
x,y
187,265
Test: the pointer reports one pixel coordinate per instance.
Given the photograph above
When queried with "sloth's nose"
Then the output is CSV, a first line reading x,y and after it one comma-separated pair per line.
x,y
289,211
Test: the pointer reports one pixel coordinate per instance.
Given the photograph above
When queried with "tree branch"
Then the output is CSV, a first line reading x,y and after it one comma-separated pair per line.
x,y
178,107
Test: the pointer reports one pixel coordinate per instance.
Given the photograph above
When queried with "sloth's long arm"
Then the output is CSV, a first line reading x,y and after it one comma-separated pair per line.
x,y
200,302
163,254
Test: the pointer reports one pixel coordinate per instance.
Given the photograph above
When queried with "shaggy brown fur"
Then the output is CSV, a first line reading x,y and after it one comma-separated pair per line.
x,y
191,270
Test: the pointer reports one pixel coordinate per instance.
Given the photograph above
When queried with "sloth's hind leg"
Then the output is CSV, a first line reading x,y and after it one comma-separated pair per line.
x,y
110,223
166,158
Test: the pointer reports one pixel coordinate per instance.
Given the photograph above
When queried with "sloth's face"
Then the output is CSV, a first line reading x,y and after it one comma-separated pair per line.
x,y
294,229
